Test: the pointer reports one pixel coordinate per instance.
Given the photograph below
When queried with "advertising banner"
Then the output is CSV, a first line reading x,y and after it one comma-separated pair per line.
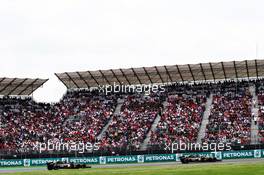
x,y
242,154
119,159
160,158
13,162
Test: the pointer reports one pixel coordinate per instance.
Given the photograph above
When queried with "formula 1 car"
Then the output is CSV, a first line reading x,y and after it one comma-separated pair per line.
x,y
197,159
65,165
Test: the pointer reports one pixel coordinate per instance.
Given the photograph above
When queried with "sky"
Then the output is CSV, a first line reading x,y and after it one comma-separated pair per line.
x,y
41,37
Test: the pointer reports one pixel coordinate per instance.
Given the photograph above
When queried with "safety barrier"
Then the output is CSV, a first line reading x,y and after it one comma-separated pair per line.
x,y
243,154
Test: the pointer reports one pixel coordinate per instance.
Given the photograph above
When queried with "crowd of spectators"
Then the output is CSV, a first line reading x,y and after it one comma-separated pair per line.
x,y
261,126
180,121
79,116
260,94
23,122
129,128
230,115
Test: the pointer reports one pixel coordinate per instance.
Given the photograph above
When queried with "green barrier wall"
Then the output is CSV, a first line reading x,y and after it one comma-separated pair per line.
x,y
243,154
12,162
157,158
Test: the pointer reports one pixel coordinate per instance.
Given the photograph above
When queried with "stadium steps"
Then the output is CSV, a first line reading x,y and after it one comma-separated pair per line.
x,y
144,145
71,119
117,111
205,120
254,109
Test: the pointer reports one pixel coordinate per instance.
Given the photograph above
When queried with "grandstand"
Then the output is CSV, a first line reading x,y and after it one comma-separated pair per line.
x,y
206,102
165,74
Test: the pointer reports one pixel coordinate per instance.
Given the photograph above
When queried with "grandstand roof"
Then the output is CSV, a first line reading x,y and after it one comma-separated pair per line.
x,y
164,74
20,86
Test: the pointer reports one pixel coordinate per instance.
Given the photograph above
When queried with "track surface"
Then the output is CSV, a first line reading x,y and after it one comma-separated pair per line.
x,y
13,170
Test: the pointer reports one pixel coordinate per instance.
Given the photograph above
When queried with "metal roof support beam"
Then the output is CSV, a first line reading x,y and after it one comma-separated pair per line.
x,y
62,81
179,73
223,67
81,77
247,68
31,84
256,65
14,79
115,76
17,86
72,80
168,73
201,66
136,75
2,80
191,72
37,86
148,75
212,70
159,74
125,76
104,77
235,69
93,77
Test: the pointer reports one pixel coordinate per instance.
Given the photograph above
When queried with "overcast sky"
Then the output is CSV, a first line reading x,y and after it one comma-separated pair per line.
x,y
41,37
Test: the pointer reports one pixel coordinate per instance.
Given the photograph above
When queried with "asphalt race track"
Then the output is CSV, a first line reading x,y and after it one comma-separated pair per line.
x,y
22,169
